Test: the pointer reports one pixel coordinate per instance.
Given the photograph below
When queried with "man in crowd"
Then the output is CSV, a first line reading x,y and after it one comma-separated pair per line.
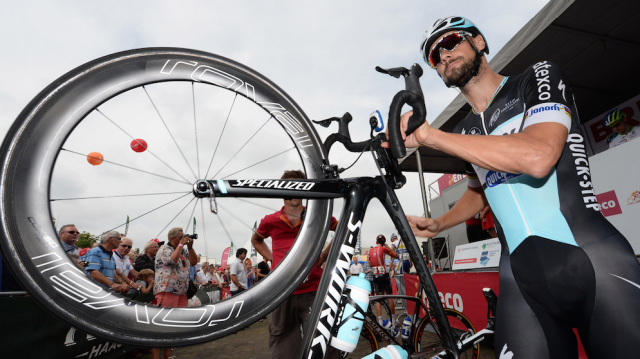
x,y
69,237
283,227
147,260
263,269
356,267
238,273
102,267
172,274
123,264
381,280
623,131
368,273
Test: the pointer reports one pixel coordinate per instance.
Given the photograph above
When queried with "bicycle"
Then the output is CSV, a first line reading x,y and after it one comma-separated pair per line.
x,y
38,150
423,329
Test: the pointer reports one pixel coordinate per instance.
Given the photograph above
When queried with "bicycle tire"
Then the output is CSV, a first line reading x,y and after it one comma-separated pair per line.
x,y
460,326
28,238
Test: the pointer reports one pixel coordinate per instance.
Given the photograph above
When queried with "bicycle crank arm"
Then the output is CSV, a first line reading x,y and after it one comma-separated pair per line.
x,y
467,342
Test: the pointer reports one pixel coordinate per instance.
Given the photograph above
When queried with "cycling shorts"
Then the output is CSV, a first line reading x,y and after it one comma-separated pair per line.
x,y
382,284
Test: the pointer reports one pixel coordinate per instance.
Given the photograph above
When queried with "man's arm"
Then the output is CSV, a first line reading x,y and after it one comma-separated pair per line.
x,y
261,247
471,202
259,273
235,281
95,274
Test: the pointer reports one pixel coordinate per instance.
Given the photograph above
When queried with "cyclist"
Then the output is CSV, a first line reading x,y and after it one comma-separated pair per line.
x,y
622,130
381,280
563,264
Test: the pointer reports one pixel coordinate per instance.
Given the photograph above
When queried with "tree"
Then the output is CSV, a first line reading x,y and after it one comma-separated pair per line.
x,y
86,239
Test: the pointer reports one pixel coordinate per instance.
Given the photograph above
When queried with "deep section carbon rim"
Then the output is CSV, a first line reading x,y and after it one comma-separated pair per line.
x,y
42,142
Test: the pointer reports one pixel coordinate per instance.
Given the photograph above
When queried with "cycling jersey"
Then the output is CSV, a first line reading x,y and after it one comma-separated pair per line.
x,y
563,264
616,139
376,257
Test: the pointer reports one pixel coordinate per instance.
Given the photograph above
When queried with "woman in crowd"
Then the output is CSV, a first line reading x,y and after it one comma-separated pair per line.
x,y
251,273
202,277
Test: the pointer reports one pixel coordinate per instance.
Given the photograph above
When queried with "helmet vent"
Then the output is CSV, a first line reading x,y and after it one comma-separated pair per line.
x,y
439,27
456,19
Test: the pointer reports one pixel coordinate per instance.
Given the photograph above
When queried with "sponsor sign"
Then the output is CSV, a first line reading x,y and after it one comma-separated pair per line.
x,y
483,254
598,132
617,188
448,180
609,204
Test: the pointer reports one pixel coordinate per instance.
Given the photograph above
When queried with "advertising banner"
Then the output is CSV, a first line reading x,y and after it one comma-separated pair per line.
x,y
483,254
448,180
616,181
225,257
598,132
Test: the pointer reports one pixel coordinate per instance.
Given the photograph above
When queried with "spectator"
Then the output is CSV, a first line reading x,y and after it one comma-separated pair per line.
x,y
356,267
69,237
219,278
405,264
75,258
122,260
212,275
238,273
172,274
102,267
145,279
368,273
203,278
263,269
251,274
193,270
381,280
147,260
286,320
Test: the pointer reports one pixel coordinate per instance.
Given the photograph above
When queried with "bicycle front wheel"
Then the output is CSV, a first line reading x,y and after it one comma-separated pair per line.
x,y
152,122
428,338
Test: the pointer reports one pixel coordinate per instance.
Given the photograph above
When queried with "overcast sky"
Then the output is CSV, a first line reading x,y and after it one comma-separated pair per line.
x,y
323,54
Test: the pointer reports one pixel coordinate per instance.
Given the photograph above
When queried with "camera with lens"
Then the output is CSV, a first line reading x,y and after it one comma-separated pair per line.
x,y
193,236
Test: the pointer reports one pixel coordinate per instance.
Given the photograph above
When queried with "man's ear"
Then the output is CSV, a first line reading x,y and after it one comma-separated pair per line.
x,y
479,42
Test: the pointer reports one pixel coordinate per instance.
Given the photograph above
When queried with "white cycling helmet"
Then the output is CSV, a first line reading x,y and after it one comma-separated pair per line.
x,y
444,25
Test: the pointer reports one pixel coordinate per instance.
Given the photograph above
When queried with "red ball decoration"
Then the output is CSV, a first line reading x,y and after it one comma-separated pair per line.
x,y
139,145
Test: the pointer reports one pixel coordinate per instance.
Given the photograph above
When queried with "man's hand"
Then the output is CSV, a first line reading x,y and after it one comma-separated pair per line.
x,y
416,139
135,285
423,227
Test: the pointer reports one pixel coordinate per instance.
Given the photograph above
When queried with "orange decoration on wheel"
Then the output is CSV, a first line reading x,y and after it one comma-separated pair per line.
x,y
95,158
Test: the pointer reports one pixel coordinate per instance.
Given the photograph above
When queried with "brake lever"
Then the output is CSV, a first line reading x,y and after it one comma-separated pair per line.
x,y
411,77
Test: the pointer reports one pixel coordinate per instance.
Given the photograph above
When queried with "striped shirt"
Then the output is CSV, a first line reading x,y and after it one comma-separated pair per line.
x,y
101,260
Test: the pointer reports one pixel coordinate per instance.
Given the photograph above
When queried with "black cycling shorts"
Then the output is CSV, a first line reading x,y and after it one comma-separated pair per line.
x,y
382,284
548,288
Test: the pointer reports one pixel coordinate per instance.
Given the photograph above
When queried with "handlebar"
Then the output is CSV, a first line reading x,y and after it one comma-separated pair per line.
x,y
411,96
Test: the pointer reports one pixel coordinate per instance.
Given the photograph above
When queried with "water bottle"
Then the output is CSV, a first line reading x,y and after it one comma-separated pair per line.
x,y
347,337
390,352
389,327
406,328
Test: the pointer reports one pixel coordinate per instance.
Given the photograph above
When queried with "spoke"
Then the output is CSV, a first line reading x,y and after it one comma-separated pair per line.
x,y
170,134
193,211
234,155
204,229
195,125
131,168
236,217
225,229
142,215
257,163
148,150
122,195
221,133
259,205
174,218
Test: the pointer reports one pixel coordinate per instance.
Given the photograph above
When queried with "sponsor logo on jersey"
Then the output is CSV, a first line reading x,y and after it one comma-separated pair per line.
x,y
509,105
576,146
542,79
475,131
547,107
494,117
496,178
276,184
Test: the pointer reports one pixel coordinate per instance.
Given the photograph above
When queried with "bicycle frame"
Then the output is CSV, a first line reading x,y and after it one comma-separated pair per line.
x,y
357,192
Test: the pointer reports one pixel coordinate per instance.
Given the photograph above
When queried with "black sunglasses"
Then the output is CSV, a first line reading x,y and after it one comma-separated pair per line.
x,y
126,246
73,232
